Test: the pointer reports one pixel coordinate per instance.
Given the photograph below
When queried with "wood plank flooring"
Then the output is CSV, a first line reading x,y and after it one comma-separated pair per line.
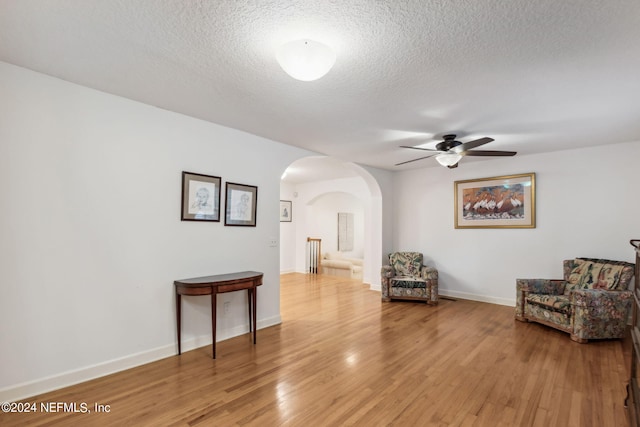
x,y
341,357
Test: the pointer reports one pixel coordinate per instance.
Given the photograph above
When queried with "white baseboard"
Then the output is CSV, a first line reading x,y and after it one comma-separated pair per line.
x,y
375,287
479,298
76,376
464,295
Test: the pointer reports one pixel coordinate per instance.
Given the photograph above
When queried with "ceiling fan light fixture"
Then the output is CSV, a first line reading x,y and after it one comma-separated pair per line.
x,y
305,59
448,159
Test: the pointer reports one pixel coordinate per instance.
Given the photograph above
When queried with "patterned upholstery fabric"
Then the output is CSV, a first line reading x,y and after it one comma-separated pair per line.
x,y
600,313
406,278
591,273
407,282
557,303
561,321
592,302
546,286
406,293
406,263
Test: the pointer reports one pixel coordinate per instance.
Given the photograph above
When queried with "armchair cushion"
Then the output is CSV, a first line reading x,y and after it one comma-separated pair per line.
x,y
595,274
581,273
609,277
557,303
406,263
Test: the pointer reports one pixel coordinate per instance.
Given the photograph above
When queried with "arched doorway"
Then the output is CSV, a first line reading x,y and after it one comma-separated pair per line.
x,y
308,179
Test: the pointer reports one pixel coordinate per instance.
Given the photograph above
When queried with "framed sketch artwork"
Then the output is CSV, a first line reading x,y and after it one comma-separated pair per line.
x,y
285,211
497,202
200,197
240,204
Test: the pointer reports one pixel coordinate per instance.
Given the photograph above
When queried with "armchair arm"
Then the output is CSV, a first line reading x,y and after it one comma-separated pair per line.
x,y
600,313
602,302
541,286
428,273
387,271
535,286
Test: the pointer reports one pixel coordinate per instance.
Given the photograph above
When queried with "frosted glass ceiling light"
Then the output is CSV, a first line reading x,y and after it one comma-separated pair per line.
x,y
448,159
305,60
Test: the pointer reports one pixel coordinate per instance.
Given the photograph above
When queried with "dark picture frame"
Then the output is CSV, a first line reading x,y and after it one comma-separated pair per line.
x,y
497,202
286,213
200,197
241,202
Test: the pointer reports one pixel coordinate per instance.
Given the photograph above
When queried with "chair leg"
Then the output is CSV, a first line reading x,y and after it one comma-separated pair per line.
x,y
579,340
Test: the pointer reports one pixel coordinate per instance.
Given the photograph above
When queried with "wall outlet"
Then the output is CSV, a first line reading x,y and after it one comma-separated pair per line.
x,y
273,242
226,307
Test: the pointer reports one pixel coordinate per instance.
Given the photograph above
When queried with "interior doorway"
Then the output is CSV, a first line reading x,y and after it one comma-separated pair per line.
x,y
313,185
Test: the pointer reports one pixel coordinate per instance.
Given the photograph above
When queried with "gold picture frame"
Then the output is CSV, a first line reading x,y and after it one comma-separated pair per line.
x,y
497,202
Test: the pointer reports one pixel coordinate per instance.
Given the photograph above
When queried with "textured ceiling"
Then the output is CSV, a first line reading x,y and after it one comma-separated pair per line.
x,y
536,76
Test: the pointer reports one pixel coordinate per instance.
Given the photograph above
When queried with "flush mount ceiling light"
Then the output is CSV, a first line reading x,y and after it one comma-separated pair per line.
x,y
305,59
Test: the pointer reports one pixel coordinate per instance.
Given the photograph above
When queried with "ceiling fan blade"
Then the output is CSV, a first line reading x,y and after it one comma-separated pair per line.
x,y
418,148
471,144
414,160
488,153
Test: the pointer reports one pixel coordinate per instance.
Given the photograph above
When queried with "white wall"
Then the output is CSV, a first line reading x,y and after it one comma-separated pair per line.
x,y
586,205
288,230
380,209
91,233
322,220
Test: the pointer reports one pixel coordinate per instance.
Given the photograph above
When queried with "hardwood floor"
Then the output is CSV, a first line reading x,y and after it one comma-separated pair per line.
x,y
341,357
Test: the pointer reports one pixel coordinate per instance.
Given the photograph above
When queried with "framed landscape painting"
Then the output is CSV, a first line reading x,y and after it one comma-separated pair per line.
x,y
497,202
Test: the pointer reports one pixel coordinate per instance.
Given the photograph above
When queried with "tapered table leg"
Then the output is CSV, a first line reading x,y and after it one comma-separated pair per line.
x,y
214,300
249,298
178,317
254,297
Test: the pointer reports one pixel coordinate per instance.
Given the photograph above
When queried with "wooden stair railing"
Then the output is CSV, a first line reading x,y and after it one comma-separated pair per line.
x,y
314,252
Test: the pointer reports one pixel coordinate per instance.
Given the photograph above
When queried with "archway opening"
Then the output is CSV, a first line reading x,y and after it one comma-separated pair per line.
x,y
318,178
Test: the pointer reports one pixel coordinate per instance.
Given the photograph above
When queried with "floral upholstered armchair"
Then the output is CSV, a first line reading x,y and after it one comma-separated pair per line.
x,y
591,302
406,278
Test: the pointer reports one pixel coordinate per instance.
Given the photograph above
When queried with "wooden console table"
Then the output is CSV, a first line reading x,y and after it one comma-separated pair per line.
x,y
218,284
